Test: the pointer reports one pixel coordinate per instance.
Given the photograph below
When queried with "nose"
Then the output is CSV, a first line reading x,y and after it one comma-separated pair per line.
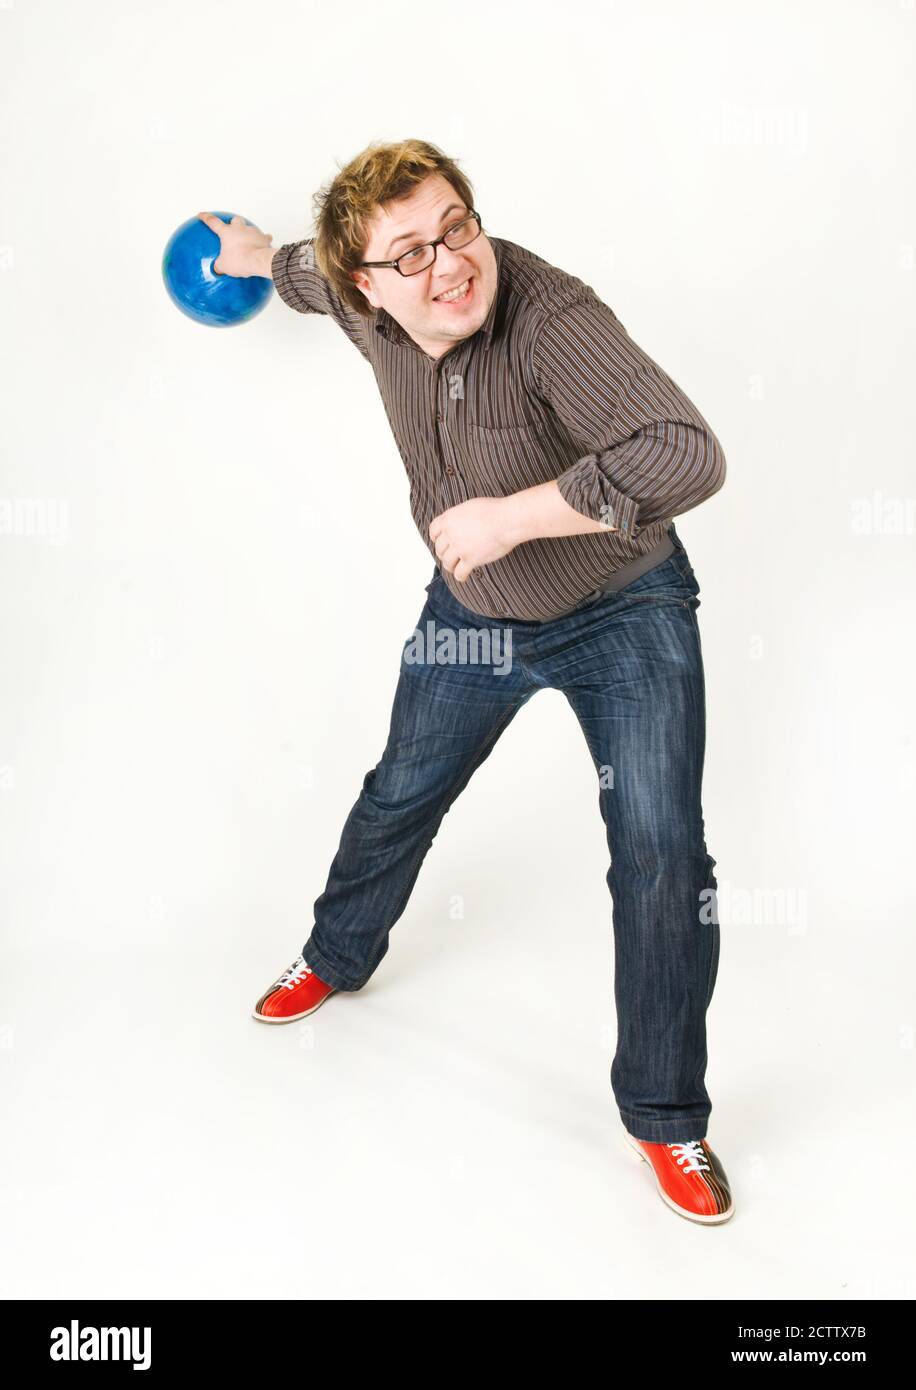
x,y
447,262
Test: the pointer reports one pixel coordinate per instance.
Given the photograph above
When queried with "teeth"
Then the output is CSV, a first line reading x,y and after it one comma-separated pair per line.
x,y
453,294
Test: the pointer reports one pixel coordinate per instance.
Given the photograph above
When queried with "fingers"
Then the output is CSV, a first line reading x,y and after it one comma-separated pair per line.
x,y
456,566
449,558
217,225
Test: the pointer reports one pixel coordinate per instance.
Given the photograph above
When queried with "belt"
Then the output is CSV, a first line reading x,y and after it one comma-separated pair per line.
x,y
630,571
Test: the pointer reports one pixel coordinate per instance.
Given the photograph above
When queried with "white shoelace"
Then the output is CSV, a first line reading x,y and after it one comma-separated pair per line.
x,y
294,974
690,1155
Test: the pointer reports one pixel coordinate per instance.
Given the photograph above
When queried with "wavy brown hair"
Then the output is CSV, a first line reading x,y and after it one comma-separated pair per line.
x,y
344,208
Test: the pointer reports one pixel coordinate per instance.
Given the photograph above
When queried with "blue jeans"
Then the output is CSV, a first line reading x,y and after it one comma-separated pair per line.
x,y
630,665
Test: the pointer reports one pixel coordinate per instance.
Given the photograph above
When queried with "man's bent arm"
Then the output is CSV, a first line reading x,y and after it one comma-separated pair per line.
x,y
653,454
543,511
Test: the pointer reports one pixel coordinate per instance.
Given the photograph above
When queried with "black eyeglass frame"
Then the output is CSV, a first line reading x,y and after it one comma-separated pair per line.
x,y
434,244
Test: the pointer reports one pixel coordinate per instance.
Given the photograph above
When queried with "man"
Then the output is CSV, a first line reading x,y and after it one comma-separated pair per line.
x,y
547,456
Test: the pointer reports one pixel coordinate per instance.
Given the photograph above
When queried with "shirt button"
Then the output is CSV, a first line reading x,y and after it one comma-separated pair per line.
x,y
449,468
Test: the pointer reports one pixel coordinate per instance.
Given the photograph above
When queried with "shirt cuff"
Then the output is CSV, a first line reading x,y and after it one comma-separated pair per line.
x,y
588,490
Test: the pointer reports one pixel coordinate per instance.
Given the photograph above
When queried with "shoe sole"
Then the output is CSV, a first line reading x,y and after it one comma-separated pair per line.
x,y
291,1018
632,1148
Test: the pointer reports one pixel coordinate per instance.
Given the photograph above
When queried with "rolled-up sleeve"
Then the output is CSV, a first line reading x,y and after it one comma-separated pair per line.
x,y
301,285
651,454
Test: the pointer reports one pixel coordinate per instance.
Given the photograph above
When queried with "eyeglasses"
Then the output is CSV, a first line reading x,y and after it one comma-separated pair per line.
x,y
421,257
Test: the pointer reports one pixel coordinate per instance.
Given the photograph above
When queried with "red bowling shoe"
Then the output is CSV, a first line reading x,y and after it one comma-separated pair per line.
x,y
297,992
689,1178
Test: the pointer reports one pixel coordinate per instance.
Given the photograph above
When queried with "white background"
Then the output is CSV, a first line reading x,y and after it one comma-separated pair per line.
x,y
201,642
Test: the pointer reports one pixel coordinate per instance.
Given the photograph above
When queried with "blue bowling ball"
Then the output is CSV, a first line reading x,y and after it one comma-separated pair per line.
x,y
217,300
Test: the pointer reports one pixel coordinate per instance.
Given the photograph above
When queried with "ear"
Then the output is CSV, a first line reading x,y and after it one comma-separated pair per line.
x,y
364,284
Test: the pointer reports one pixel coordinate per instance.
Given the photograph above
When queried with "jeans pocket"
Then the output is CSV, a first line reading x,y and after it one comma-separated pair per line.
x,y
665,583
682,560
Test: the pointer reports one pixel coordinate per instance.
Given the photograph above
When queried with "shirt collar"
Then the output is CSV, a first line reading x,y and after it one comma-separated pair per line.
x,y
390,328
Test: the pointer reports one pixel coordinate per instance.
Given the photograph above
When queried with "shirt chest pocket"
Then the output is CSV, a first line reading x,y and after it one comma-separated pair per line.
x,y
508,458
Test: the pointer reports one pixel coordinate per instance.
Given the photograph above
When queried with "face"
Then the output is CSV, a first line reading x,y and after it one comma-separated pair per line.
x,y
411,300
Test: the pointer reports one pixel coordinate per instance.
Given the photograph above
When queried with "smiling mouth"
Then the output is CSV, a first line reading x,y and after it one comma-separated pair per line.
x,y
456,295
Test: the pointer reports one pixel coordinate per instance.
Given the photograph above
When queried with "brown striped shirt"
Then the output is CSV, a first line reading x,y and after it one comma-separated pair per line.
x,y
550,386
